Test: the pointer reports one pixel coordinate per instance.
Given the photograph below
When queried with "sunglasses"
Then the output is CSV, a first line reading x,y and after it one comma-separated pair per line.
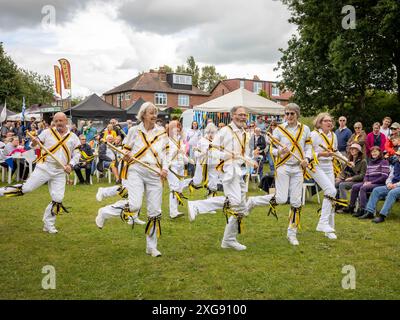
x,y
357,127
290,113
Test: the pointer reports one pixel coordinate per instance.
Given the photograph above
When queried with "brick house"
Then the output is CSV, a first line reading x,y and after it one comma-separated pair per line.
x,y
157,86
255,85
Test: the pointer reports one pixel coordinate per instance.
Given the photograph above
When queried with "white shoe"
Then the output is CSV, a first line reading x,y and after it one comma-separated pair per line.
x,y
137,221
331,235
293,240
100,220
233,244
99,195
153,252
176,215
193,211
51,229
325,228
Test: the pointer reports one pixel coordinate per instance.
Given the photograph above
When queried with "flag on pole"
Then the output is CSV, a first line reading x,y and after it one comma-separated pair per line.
x,y
66,72
57,76
3,115
23,109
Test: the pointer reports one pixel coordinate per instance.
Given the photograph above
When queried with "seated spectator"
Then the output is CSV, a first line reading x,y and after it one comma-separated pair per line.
x,y
391,191
343,135
375,138
109,131
85,161
107,158
389,144
351,175
376,175
359,136
117,141
13,146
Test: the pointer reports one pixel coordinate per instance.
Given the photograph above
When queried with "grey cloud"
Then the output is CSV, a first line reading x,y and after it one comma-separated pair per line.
x,y
28,13
168,17
224,31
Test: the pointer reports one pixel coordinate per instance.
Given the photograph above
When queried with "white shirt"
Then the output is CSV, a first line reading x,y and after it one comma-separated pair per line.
x,y
175,156
134,142
229,139
386,132
72,143
317,140
306,148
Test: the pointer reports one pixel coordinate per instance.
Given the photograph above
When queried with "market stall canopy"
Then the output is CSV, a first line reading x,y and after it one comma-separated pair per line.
x,y
93,107
28,116
242,97
9,112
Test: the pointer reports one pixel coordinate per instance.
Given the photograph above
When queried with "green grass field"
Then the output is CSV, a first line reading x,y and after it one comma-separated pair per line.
x,y
112,264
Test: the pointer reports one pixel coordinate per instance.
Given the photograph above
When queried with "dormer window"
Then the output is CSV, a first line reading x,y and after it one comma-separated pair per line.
x,y
182,79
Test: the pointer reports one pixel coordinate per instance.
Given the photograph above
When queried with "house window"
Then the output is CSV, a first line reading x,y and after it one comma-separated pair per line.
x,y
160,99
275,90
257,87
183,100
182,79
127,96
241,83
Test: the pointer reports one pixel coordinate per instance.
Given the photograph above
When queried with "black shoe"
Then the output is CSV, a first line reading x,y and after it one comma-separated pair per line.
x,y
380,218
349,209
360,212
367,215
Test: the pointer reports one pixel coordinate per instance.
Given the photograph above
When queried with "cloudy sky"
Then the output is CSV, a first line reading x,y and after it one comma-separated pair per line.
x,y
109,42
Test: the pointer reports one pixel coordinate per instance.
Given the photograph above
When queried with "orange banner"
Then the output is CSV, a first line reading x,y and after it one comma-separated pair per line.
x,y
57,76
66,73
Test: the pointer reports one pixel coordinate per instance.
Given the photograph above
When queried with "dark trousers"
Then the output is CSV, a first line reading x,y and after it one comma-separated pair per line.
x,y
358,190
88,169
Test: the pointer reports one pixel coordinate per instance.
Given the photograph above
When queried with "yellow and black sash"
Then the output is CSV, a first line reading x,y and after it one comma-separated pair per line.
x,y
295,144
85,156
147,146
61,143
241,142
178,147
337,168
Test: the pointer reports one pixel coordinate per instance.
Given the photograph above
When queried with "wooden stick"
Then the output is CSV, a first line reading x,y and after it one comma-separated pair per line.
x,y
133,158
47,150
234,155
337,156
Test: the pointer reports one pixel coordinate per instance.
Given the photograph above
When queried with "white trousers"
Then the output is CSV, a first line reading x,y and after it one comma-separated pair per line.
x,y
325,178
213,178
289,182
113,210
210,204
110,191
140,180
198,174
235,189
56,180
175,184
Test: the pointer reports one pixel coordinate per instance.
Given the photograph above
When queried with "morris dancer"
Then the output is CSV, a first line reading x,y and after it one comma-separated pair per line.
x,y
64,145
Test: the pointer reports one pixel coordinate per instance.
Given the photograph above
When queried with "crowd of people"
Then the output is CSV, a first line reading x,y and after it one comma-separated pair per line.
x,y
217,158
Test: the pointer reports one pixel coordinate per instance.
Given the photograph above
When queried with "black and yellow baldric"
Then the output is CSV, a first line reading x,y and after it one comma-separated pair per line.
x,y
294,217
296,147
153,225
13,191
61,143
329,143
178,145
220,166
177,175
272,207
178,196
58,208
147,146
295,144
229,212
85,157
242,142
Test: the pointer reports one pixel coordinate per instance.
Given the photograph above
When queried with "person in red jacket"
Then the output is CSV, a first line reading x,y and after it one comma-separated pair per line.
x,y
375,138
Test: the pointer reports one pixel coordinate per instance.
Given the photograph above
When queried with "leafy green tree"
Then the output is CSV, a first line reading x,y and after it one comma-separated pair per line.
x,y
209,78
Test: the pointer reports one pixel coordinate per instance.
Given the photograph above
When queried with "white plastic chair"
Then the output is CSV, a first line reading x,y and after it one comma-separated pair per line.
x,y
308,186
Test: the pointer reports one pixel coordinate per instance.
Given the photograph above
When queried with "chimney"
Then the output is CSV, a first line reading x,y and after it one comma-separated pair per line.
x,y
162,74
256,78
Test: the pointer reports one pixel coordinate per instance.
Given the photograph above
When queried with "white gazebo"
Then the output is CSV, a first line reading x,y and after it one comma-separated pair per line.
x,y
242,97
